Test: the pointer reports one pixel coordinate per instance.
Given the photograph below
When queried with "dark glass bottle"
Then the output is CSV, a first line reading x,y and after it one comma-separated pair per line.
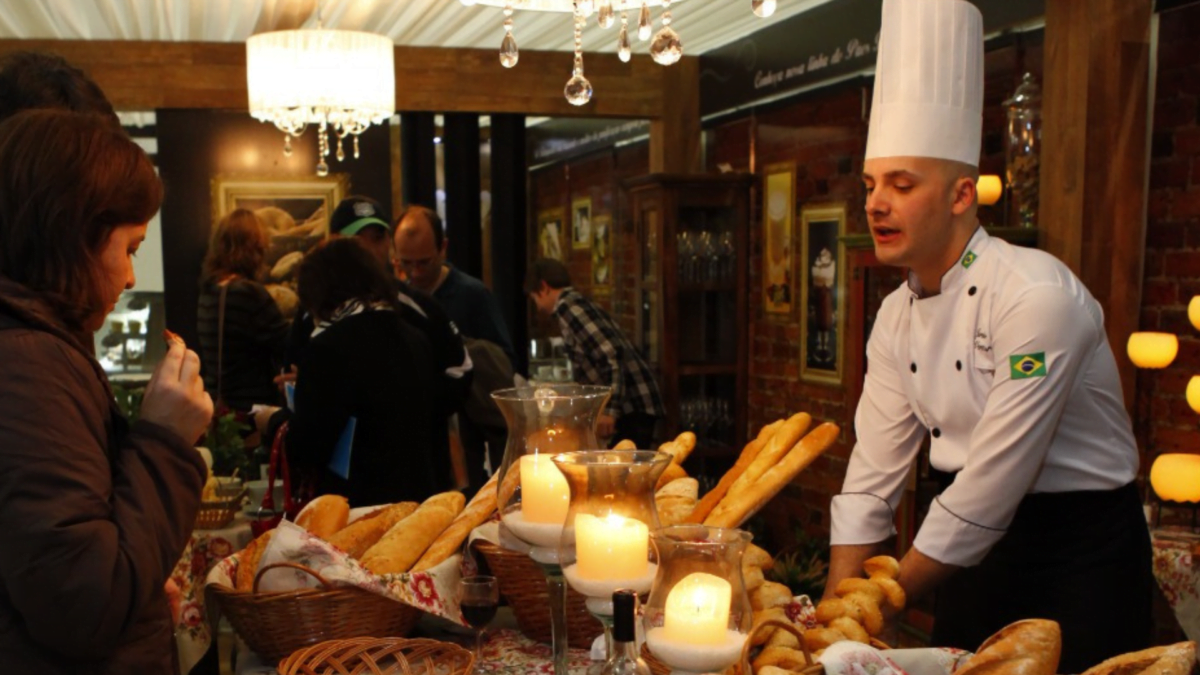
x,y
625,659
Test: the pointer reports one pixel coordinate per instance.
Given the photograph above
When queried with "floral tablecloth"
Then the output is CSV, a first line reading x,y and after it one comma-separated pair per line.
x,y
1175,570
204,550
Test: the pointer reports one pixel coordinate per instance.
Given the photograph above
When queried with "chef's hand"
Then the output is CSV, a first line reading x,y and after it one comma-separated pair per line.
x,y
606,426
175,397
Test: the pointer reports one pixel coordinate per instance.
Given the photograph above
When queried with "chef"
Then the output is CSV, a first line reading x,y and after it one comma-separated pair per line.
x,y
998,355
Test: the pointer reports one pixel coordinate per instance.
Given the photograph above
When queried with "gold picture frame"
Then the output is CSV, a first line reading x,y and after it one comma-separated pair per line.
x,y
822,293
581,223
602,267
778,271
308,199
550,235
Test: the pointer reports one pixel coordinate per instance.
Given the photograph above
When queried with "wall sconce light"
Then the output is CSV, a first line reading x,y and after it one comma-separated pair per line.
x,y
1175,477
988,189
1193,393
1152,350
1194,312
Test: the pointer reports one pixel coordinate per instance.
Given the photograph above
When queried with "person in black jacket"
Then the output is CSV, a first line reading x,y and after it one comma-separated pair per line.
x,y
364,362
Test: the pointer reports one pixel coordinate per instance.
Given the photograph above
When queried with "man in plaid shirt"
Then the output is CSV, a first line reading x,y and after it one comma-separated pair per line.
x,y
600,354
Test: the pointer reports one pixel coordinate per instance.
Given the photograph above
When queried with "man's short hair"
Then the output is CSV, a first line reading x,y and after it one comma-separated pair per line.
x,y
32,80
549,270
431,217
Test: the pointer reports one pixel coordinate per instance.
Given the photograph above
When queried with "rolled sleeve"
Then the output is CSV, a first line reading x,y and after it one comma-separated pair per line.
x,y
860,518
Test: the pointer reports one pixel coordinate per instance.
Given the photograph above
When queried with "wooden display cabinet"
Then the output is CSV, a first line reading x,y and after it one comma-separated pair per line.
x,y
692,300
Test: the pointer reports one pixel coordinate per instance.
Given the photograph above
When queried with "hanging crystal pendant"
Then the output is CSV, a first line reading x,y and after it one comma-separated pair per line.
x,y
623,51
287,145
578,90
666,48
605,16
585,7
341,153
322,168
644,22
763,8
355,146
508,47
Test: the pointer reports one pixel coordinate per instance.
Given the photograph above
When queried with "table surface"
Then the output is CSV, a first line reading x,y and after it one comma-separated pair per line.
x,y
204,549
1178,577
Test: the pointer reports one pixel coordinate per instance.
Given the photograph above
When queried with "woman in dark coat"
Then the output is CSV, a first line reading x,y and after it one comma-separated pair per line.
x,y
94,512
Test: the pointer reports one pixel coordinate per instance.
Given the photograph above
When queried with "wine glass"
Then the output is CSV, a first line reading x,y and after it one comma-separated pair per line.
x,y
478,598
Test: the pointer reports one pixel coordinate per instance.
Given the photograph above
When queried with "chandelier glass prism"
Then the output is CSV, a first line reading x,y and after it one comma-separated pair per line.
x,y
666,48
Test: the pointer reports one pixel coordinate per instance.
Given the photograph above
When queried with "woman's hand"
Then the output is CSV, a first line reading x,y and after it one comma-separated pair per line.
x,y
175,397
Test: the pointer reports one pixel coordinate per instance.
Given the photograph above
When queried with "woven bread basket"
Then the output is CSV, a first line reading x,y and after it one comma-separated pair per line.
x,y
375,656
213,515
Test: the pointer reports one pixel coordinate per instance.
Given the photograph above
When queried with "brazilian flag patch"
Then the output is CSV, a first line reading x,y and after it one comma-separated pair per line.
x,y
968,259
1025,366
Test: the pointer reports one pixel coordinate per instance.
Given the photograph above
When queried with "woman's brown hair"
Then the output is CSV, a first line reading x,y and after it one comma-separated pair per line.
x,y
239,246
67,180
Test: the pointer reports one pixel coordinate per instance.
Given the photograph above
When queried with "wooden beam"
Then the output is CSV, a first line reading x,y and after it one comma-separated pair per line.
x,y
675,136
1094,154
150,75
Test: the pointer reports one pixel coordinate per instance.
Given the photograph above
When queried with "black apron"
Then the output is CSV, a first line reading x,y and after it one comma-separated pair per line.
x,y
1082,559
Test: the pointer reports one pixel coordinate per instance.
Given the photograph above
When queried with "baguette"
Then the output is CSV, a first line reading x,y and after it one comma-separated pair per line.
x,y
715,495
248,561
740,504
1176,659
325,515
362,534
1029,647
482,506
671,473
680,448
781,443
407,540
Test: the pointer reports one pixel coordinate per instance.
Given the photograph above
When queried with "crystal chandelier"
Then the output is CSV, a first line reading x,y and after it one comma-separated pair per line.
x,y
665,48
334,79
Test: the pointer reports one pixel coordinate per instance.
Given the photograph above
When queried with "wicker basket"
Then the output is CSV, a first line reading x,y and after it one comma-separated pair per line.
x,y
524,585
375,656
276,624
217,514
743,666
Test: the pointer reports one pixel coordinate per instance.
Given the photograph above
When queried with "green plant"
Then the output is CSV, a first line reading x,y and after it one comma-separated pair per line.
x,y
225,440
804,567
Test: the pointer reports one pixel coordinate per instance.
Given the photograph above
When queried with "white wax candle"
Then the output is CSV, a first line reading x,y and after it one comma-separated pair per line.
x,y
697,610
612,547
545,496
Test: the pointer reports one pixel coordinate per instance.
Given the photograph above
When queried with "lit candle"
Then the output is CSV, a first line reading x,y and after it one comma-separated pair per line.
x,y
988,189
1152,350
612,547
544,492
697,610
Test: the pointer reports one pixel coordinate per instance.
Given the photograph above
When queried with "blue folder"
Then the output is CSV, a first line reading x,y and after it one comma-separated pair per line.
x,y
340,462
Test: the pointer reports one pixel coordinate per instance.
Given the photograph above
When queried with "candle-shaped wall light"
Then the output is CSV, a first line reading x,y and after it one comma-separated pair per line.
x,y
1152,350
988,189
1175,477
697,610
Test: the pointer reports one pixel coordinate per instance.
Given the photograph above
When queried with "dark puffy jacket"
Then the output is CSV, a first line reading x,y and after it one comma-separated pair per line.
x,y
93,513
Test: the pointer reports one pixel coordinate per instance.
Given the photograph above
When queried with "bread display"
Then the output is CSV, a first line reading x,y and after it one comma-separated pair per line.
x,y
856,613
248,563
1176,659
714,496
362,534
404,544
676,500
481,507
1029,647
325,515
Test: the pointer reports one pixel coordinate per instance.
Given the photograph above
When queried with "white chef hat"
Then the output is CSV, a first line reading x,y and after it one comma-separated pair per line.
x,y
928,98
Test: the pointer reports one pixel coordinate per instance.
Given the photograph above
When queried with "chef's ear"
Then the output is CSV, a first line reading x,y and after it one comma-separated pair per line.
x,y
965,197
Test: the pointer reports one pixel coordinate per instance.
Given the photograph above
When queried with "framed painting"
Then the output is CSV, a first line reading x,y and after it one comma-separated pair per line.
x,y
550,234
308,200
778,278
602,252
581,223
822,292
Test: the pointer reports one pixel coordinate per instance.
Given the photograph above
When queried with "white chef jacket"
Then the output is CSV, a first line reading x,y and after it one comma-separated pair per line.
x,y
1009,370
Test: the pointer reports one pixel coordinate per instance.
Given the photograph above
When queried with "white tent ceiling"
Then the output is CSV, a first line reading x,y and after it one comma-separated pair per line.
x,y
702,24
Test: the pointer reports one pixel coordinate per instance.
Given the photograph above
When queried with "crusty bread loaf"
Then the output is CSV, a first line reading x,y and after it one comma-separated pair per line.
x,y
482,506
757,556
625,444
680,448
770,594
1176,659
671,473
362,534
325,515
776,449
1029,647
248,561
675,500
747,497
715,495
402,545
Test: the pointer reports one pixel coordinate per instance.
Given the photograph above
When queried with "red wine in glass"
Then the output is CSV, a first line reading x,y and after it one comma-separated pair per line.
x,y
478,613
478,598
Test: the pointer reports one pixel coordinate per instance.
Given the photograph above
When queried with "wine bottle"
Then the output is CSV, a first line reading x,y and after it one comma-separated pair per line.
x,y
625,657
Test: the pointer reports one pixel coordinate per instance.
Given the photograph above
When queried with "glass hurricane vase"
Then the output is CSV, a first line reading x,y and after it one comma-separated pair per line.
x,y
606,538
698,617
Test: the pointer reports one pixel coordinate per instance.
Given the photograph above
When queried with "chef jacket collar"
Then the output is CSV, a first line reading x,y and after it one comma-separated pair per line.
x,y
955,276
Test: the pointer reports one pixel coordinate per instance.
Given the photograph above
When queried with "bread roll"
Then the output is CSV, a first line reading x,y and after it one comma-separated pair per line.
x,y
407,540
781,657
774,670
673,472
836,608
759,637
714,496
362,534
325,515
757,556
752,577
783,638
852,629
770,594
1176,659
625,444
855,585
869,613
882,565
248,561
1029,647
674,510
482,506
820,638
745,498
891,590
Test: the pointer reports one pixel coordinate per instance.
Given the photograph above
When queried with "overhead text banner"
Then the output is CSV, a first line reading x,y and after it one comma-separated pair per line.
x,y
830,41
